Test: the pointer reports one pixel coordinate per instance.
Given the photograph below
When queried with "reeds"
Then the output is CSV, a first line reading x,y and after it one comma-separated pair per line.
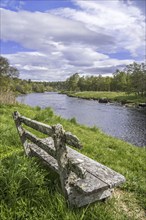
x,y
7,97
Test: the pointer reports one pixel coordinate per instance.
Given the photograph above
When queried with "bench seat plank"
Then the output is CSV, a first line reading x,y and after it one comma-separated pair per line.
x,y
107,175
85,191
97,175
90,184
78,199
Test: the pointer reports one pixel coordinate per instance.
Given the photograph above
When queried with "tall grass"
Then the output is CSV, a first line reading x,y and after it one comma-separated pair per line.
x,y
7,97
28,190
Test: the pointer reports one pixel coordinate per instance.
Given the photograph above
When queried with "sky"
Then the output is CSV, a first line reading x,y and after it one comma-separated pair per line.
x,y
53,39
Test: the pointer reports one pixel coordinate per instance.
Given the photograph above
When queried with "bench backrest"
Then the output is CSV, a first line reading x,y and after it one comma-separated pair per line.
x,y
83,180
59,138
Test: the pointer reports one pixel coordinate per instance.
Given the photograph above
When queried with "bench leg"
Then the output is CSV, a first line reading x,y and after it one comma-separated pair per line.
x,y
21,133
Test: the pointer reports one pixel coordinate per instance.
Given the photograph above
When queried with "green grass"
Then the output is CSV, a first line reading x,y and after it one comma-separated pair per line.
x,y
112,96
30,191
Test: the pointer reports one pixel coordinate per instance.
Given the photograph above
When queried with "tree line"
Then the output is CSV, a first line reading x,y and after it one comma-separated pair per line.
x,y
9,80
132,79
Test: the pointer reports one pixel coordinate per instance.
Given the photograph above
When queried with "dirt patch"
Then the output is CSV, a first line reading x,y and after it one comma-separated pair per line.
x,y
128,204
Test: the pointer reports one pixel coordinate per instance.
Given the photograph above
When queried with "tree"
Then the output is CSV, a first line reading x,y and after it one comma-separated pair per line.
x,y
7,74
82,84
4,66
131,79
137,77
72,82
6,70
107,83
119,82
13,72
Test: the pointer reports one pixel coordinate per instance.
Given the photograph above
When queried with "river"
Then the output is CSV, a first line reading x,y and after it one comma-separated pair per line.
x,y
128,124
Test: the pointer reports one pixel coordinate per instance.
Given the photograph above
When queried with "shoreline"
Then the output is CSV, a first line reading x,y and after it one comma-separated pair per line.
x,y
125,103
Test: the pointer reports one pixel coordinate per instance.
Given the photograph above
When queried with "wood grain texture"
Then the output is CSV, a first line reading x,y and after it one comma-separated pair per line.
x,y
83,180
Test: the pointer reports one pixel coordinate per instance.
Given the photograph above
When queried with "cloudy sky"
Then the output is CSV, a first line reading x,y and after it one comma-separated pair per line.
x,y
53,39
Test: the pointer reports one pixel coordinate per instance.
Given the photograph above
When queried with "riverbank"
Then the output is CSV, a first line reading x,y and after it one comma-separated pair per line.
x,y
32,192
105,97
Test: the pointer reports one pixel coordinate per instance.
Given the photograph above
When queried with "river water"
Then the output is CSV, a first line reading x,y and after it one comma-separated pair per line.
x,y
128,124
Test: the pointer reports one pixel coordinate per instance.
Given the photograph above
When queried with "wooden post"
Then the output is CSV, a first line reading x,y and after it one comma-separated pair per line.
x,y
61,155
21,133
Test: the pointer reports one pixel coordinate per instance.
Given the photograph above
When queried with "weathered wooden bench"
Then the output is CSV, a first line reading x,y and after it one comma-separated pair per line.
x,y
83,180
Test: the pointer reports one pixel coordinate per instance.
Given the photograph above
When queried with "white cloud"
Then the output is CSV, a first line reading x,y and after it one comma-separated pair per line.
x,y
42,31
124,22
68,40
55,69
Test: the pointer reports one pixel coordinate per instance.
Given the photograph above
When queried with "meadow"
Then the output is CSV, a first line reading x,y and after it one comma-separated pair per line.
x,y
120,97
29,190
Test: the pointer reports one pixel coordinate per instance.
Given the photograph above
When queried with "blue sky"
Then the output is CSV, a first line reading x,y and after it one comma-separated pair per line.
x,y
51,40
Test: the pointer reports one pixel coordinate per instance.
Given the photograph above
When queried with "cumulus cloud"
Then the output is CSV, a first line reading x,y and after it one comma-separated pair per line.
x,y
35,65
38,30
39,66
69,40
123,22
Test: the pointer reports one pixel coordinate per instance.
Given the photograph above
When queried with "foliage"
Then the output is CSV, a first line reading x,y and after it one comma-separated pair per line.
x,y
9,80
6,70
7,74
131,79
137,77
30,191
72,82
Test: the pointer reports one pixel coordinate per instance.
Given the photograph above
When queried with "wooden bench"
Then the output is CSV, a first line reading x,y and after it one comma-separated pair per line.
x,y
83,180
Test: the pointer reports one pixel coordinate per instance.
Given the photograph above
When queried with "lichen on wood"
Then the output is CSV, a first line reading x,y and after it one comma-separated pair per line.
x,y
83,180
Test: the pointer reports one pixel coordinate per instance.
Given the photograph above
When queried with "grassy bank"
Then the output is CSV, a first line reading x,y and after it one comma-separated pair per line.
x,y
120,97
29,191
